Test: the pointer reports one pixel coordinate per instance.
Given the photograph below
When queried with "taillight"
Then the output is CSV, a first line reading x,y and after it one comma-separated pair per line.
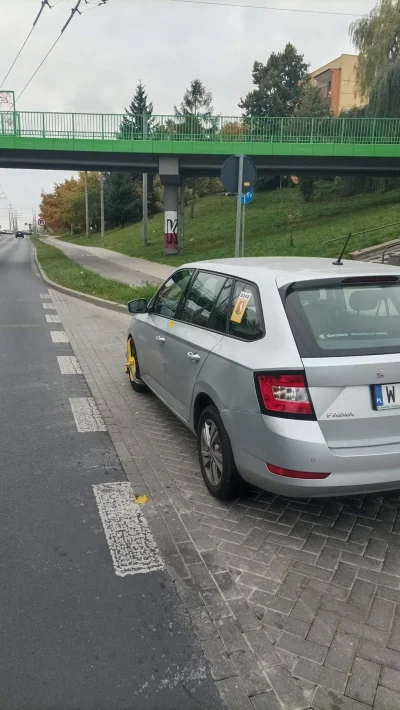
x,y
285,394
279,471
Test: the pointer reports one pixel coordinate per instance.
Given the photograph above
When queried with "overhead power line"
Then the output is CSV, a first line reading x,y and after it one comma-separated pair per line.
x,y
43,4
267,7
74,10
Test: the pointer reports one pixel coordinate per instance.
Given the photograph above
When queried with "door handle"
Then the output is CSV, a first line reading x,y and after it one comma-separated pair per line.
x,y
194,357
160,339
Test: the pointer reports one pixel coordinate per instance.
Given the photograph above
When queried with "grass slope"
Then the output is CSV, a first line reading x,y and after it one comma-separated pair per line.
x,y
269,220
62,270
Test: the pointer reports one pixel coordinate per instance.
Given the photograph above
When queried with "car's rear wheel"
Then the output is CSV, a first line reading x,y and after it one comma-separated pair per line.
x,y
216,457
132,368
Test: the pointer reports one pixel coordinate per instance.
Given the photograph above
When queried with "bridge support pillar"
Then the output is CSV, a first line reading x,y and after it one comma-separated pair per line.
x,y
170,178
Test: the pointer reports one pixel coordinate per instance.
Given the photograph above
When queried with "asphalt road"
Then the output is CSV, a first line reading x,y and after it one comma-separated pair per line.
x,y
73,635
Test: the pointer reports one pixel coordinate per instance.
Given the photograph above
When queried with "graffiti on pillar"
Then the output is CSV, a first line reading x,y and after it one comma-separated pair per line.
x,y
171,230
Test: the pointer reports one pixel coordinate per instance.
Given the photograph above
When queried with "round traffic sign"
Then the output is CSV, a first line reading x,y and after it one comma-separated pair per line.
x,y
247,197
41,222
230,174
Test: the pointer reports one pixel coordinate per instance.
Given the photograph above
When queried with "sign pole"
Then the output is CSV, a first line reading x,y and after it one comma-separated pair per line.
x,y
239,207
244,216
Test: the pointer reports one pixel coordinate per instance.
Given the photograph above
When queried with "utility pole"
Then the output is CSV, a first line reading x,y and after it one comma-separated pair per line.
x,y
86,205
145,205
102,203
239,206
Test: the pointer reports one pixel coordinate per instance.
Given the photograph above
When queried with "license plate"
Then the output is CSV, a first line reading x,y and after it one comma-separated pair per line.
x,y
386,396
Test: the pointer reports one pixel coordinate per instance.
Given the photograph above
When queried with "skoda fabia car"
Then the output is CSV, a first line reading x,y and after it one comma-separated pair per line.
x,y
287,370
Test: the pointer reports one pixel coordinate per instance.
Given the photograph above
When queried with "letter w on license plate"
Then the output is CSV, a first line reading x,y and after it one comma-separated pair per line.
x,y
386,396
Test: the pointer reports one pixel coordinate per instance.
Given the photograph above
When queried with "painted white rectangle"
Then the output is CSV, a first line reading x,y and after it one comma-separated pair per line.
x,y
69,365
44,295
49,306
132,547
53,319
59,336
87,416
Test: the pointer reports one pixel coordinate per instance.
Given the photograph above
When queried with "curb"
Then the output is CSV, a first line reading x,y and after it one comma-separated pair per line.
x,y
95,300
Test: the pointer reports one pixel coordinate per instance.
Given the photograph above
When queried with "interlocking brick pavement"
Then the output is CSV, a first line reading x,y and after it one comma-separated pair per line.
x,y
296,602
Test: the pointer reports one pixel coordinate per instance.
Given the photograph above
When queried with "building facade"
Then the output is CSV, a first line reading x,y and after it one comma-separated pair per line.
x,y
337,81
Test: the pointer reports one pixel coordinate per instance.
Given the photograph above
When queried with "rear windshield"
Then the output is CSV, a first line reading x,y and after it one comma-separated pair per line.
x,y
338,319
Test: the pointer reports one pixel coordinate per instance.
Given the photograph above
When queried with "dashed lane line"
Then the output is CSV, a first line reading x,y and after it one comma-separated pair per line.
x,y
53,319
87,416
132,547
59,336
69,365
49,306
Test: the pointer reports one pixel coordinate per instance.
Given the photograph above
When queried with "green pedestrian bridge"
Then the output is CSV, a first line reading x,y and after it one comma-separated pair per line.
x,y
198,145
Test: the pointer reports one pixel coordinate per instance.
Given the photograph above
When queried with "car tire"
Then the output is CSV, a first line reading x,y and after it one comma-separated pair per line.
x,y
132,368
217,464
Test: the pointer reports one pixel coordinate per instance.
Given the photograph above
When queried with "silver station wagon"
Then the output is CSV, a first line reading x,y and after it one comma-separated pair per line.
x,y
287,370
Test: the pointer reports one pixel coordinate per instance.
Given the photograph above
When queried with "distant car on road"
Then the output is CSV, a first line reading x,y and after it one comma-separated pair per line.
x,y
287,369
19,235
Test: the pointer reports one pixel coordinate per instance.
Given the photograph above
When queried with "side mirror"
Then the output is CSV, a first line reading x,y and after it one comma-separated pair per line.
x,y
139,305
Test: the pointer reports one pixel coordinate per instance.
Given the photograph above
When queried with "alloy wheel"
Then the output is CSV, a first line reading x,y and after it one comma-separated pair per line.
x,y
211,453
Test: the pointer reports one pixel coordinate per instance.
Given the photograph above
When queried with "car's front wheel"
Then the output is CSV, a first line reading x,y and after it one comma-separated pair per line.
x,y
132,368
216,457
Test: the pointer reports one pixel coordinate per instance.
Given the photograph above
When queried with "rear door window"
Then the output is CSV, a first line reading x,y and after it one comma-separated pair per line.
x,y
246,320
345,318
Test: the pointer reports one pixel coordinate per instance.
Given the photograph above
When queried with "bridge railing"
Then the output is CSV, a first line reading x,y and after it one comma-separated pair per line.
x,y
78,126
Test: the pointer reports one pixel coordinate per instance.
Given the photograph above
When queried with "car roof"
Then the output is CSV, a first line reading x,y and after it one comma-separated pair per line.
x,y
288,268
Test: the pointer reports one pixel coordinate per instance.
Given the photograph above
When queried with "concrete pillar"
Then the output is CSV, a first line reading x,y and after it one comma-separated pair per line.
x,y
170,178
171,203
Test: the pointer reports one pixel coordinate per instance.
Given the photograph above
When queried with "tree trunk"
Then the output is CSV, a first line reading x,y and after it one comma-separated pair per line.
x,y
193,199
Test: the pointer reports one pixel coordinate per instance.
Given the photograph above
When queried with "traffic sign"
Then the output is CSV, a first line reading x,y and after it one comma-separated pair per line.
x,y
247,197
230,174
41,222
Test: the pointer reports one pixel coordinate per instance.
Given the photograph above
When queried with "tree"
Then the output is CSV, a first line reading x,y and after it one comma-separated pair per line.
x,y
132,123
196,101
278,85
311,105
384,100
377,39
122,204
195,108
64,207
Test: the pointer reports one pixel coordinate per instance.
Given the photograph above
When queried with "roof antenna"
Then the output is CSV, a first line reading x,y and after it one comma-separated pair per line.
x,y
339,261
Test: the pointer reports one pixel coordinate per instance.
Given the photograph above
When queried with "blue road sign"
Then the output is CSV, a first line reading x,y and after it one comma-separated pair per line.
x,y
247,197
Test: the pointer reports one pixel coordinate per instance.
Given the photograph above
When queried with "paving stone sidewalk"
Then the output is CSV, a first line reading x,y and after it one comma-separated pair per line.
x,y
296,602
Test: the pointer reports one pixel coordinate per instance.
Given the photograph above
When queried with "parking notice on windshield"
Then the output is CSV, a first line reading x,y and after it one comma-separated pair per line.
x,y
240,307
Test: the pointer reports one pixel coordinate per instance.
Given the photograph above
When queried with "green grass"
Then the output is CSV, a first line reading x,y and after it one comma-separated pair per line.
x,y
62,270
269,220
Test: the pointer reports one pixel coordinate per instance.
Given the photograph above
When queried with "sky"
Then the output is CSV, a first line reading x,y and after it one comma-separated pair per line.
x,y
103,53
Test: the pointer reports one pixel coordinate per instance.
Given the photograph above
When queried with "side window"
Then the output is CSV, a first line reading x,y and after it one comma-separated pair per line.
x,y
219,315
201,298
169,295
245,320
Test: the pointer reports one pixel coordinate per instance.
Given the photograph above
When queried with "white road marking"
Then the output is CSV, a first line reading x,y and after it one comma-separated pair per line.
x,y
132,546
59,336
69,365
87,416
49,306
44,295
53,319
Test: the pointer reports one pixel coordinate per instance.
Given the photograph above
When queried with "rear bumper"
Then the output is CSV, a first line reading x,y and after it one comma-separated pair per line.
x,y
300,446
